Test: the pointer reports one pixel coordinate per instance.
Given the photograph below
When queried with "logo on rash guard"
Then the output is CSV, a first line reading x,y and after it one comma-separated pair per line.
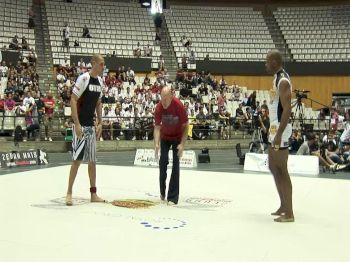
x,y
95,88
170,120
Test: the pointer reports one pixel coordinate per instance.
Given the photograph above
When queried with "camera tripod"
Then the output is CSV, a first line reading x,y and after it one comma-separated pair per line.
x,y
299,113
257,144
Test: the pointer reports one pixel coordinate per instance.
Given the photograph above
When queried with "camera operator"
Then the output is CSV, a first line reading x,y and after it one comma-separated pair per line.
x,y
264,123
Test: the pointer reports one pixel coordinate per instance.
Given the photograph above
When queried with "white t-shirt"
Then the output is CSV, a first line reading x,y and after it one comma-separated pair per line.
x,y
130,73
27,101
345,136
4,69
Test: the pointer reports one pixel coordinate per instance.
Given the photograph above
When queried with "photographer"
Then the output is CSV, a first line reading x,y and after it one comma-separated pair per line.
x,y
264,123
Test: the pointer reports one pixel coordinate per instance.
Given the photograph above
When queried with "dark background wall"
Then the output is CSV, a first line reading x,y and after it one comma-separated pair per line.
x,y
10,56
258,68
112,63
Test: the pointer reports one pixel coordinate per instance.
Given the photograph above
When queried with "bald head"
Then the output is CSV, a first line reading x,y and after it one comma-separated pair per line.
x,y
276,56
166,91
274,61
166,97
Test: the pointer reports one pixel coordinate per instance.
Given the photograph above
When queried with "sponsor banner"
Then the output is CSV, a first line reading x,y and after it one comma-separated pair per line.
x,y
23,158
300,165
145,157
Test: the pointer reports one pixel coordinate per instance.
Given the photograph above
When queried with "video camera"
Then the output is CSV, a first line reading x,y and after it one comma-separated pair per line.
x,y
301,94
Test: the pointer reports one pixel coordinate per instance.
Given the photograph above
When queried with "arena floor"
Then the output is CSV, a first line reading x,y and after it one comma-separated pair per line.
x,y
220,217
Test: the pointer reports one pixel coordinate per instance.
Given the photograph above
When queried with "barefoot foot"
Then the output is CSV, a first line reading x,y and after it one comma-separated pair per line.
x,y
69,201
284,219
279,212
96,199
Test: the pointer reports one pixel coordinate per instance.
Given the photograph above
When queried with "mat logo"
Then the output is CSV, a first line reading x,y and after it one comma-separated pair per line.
x,y
60,203
208,202
134,203
261,160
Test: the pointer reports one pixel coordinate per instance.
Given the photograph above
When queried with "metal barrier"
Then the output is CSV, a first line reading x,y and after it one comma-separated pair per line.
x,y
142,127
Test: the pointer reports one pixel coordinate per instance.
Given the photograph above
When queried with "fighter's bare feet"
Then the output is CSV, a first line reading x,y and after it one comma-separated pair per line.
x,y
284,219
279,212
96,199
69,201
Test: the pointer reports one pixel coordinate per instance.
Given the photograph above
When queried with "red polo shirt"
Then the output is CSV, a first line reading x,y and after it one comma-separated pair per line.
x,y
171,120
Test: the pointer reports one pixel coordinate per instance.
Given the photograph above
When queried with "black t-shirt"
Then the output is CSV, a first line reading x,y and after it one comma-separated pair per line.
x,y
88,95
239,112
39,103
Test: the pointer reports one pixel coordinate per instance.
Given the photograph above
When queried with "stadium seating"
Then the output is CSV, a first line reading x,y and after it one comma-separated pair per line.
x,y
316,33
114,26
224,33
14,21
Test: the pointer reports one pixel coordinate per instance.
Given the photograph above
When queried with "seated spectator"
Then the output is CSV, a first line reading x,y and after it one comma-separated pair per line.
x,y
185,42
184,62
223,123
123,74
10,103
237,93
221,99
189,80
3,69
28,101
334,154
32,57
32,125
137,50
148,51
138,125
248,116
106,124
116,121
180,76
192,57
161,63
81,63
25,44
76,43
106,99
222,83
203,90
165,76
201,129
2,104
345,136
147,80
130,75
65,64
296,141
334,119
310,147
14,43
86,32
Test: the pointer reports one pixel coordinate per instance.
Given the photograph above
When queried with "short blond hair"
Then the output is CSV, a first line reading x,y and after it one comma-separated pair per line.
x,y
96,58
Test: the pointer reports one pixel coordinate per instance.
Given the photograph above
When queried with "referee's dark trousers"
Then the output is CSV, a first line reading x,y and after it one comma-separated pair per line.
x,y
173,192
